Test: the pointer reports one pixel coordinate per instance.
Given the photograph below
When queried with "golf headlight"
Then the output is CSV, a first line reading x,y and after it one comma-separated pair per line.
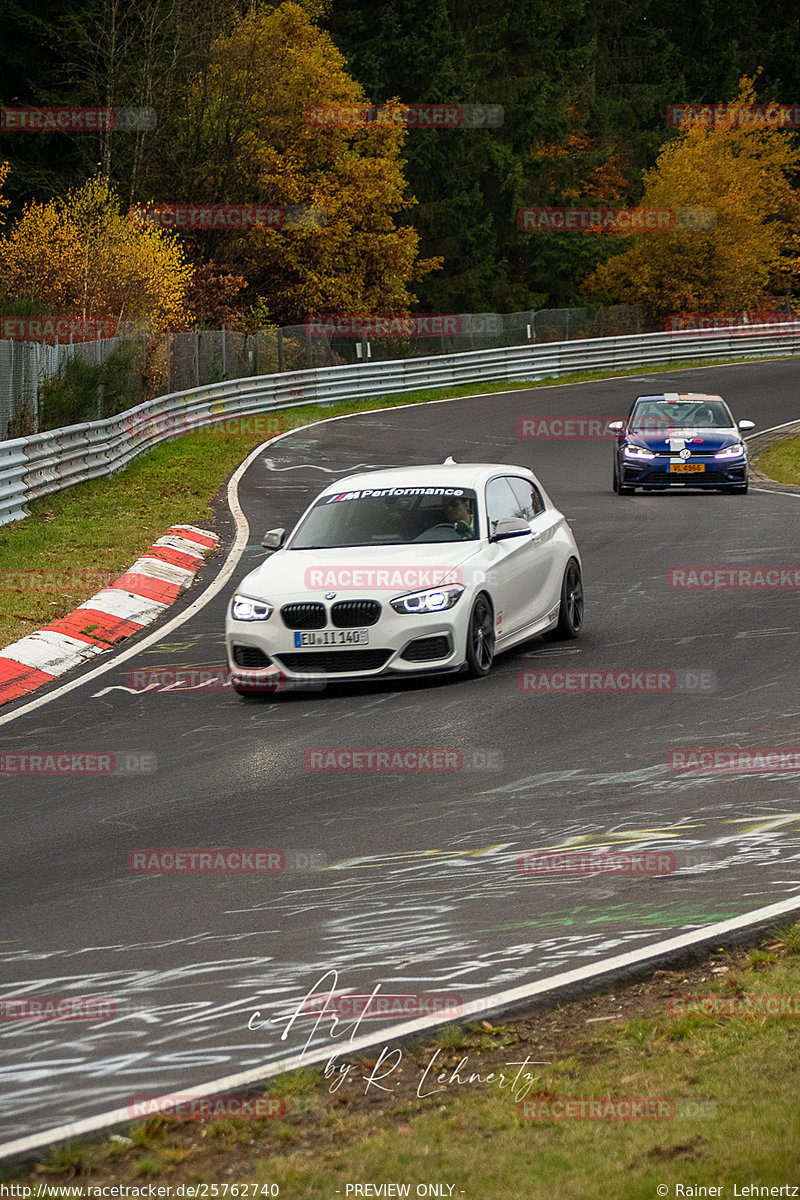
x,y
734,451
245,609
432,600
638,452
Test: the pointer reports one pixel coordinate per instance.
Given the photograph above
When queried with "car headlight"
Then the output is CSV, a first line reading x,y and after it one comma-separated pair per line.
x,y
734,451
245,609
432,600
638,452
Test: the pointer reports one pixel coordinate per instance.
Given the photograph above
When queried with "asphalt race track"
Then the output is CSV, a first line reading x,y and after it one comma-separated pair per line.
x,y
410,879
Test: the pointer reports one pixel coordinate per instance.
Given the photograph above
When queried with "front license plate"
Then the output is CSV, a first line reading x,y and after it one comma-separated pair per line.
x,y
332,637
687,468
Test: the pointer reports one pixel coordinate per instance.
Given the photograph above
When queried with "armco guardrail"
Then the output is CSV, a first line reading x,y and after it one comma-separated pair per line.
x,y
47,462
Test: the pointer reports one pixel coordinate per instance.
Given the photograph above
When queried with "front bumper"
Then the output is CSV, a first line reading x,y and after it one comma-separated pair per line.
x,y
660,472
399,645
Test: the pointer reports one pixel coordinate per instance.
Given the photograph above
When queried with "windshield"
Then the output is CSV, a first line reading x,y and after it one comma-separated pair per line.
x,y
650,416
389,517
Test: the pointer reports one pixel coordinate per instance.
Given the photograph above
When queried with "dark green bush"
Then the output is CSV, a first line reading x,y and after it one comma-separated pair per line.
x,y
88,391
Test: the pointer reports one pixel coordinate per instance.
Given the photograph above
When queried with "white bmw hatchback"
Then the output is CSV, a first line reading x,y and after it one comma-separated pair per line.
x,y
403,572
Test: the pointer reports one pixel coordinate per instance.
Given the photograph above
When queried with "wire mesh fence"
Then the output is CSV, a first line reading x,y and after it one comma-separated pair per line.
x,y
28,368
146,367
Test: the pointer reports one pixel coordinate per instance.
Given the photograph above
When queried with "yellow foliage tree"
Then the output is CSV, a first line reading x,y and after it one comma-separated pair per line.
x,y
255,141
743,173
80,256
5,168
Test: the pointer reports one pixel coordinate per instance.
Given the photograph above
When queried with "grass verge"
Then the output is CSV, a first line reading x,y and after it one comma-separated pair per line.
x,y
104,525
781,461
733,1084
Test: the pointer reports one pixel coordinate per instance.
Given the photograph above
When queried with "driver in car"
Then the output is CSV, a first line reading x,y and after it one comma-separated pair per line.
x,y
458,512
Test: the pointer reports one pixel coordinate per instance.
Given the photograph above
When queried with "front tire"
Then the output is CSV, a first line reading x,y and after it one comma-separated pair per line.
x,y
480,638
570,612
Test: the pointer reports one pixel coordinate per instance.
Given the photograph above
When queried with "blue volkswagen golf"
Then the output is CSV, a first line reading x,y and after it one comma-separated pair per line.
x,y
680,439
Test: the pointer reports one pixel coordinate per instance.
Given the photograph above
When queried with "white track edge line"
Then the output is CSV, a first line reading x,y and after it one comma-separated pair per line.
x,y
118,1116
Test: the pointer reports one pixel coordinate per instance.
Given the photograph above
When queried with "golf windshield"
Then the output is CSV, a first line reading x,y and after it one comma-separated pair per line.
x,y
391,516
650,416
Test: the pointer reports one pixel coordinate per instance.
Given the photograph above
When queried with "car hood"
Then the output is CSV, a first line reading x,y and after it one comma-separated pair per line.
x,y
700,441
357,571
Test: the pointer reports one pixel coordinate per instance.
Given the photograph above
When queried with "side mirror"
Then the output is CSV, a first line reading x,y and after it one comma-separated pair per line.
x,y
274,539
509,527
745,425
616,426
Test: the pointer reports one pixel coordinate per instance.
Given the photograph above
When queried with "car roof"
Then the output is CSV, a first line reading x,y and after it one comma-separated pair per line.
x,y
466,475
681,397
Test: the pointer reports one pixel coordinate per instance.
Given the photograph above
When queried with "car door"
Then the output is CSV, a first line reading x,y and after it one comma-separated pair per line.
x,y
513,562
544,581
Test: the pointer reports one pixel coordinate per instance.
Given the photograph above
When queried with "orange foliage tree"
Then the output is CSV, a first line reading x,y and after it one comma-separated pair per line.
x,y
250,136
741,172
581,170
80,255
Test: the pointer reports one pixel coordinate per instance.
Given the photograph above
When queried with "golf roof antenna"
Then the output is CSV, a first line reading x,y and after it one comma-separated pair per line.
x,y
449,461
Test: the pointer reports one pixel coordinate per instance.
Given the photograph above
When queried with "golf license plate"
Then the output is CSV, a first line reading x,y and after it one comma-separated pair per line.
x,y
687,468
332,637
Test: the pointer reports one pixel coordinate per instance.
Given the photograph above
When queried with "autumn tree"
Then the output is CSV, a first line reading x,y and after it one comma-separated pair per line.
x,y
581,170
5,169
80,255
248,138
213,296
743,173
